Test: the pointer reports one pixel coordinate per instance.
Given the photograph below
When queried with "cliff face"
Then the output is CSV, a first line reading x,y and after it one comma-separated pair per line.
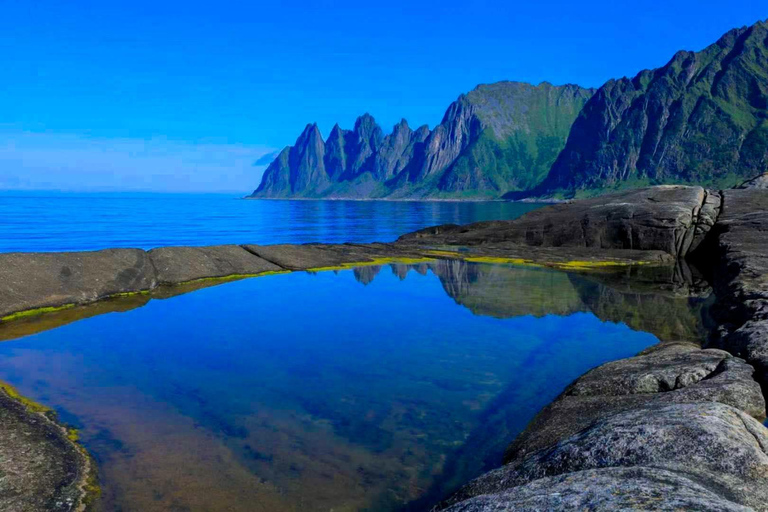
x,y
497,138
700,119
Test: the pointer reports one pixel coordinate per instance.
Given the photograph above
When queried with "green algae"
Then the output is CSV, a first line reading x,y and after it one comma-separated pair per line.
x,y
170,290
373,262
36,320
55,309
33,324
35,312
580,265
228,278
90,488
594,265
47,310
28,404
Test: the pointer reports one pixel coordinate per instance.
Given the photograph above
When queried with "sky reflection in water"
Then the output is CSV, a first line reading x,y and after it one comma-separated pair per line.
x,y
370,388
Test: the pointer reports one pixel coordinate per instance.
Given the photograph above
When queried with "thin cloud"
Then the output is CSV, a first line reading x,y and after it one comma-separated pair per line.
x,y
69,162
266,159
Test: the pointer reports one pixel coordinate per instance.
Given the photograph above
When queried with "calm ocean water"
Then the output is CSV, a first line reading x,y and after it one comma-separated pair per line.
x,y
68,222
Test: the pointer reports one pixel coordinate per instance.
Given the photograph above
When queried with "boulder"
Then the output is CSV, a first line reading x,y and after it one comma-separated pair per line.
x,y
638,488
175,265
742,242
758,182
750,341
50,280
657,370
667,218
717,446
669,373
42,469
740,276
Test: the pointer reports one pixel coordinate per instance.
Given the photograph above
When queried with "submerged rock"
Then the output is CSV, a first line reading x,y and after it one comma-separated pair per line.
x,y
711,445
647,432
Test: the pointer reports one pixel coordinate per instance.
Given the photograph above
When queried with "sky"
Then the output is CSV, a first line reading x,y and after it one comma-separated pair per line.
x,y
189,96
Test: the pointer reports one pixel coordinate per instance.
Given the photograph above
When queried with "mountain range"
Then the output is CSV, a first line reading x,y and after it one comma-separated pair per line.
x,y
700,119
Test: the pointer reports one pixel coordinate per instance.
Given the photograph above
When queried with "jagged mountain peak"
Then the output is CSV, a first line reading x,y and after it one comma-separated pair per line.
x,y
363,162
401,126
400,132
365,122
310,128
700,119
422,130
311,132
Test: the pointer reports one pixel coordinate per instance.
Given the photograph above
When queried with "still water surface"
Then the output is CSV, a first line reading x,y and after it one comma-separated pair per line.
x,y
376,389
45,221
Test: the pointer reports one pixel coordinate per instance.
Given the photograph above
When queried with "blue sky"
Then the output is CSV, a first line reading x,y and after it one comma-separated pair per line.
x,y
187,95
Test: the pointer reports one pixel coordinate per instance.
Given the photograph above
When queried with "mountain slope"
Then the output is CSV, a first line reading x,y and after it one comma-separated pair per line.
x,y
499,137
700,119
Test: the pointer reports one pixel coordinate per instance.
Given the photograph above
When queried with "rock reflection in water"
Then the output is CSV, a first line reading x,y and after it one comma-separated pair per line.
x,y
658,300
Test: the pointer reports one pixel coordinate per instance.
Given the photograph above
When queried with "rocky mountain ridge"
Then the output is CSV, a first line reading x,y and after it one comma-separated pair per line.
x,y
498,137
700,119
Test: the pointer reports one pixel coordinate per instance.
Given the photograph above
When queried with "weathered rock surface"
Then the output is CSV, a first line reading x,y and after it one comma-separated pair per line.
x,y
740,276
698,119
711,445
742,262
648,432
303,257
39,280
759,182
669,373
647,226
670,218
40,468
318,256
33,281
176,265
637,488
669,428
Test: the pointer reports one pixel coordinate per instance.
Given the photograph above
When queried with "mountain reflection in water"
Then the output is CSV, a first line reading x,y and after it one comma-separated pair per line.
x,y
312,392
651,299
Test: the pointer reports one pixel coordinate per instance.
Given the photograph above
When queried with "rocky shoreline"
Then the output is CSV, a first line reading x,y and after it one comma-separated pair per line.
x,y
674,427
36,283
43,467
